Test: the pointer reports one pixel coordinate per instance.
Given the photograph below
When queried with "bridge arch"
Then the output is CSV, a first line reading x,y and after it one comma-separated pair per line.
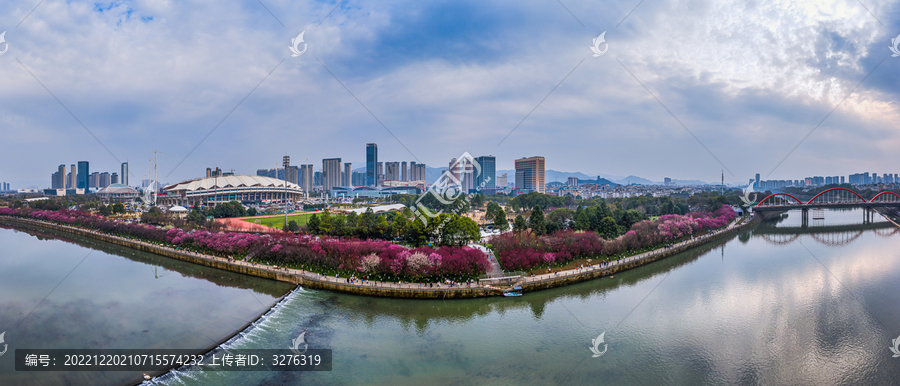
x,y
885,192
832,189
778,194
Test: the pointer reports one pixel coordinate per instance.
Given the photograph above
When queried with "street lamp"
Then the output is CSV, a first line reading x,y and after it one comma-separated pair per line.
x,y
287,162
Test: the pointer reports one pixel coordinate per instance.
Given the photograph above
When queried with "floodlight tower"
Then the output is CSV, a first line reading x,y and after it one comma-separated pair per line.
x,y
287,162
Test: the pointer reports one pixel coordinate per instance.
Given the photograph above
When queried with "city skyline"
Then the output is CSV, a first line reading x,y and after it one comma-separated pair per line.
x,y
748,103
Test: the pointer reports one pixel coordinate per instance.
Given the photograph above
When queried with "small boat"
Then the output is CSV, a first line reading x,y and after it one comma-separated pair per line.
x,y
516,291
147,377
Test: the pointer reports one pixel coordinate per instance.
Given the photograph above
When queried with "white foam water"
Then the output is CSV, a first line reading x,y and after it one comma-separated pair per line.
x,y
249,336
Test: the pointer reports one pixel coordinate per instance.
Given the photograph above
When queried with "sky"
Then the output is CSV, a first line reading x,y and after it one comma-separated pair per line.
x,y
684,89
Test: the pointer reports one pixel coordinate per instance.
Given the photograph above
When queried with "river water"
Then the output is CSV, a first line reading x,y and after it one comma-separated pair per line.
x,y
776,304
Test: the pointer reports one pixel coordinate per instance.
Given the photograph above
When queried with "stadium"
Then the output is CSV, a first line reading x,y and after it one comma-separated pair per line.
x,y
242,188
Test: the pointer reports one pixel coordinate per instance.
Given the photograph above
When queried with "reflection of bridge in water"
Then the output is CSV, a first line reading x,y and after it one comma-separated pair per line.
x,y
830,235
829,198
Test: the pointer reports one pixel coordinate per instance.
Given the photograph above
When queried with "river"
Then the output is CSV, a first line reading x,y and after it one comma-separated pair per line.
x,y
775,304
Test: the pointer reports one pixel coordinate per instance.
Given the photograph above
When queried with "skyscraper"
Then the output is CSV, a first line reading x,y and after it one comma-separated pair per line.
x,y
114,178
530,174
392,171
124,173
306,177
292,174
94,180
379,173
83,179
757,181
487,178
105,180
371,164
502,181
59,178
331,173
348,175
404,176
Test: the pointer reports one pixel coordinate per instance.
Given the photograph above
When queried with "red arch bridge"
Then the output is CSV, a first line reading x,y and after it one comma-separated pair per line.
x,y
830,198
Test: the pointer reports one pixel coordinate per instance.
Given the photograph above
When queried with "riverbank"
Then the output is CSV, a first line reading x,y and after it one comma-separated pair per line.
x,y
392,289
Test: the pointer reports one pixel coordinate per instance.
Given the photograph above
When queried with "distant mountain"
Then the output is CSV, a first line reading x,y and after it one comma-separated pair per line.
x,y
598,181
636,180
689,182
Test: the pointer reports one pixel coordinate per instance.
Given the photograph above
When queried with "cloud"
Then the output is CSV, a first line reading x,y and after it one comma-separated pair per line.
x,y
749,80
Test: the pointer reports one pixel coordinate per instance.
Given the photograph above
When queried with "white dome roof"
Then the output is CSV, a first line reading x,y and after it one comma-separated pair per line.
x,y
238,181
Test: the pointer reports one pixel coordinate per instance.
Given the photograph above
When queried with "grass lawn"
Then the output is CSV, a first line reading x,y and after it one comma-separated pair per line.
x,y
278,221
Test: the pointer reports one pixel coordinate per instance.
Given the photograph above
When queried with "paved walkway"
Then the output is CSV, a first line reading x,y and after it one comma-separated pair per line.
x,y
496,269
399,285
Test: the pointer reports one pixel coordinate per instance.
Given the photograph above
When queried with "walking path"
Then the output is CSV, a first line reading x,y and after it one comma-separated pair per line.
x,y
496,269
291,275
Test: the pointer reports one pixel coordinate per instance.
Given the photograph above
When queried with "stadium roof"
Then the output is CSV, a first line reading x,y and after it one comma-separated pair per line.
x,y
237,181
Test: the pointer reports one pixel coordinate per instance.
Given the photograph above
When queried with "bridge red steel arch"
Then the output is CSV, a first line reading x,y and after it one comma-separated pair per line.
x,y
780,194
888,192
828,190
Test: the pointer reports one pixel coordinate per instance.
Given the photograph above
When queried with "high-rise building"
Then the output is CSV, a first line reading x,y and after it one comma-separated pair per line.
x,y
73,176
530,174
757,181
486,179
667,181
331,173
105,180
392,171
209,172
404,172
259,172
317,178
502,181
572,181
94,180
83,179
371,164
114,178
306,177
358,179
379,173
124,173
412,171
292,174
348,175
59,178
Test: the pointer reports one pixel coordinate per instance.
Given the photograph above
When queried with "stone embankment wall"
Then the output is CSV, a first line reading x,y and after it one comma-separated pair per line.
x,y
382,289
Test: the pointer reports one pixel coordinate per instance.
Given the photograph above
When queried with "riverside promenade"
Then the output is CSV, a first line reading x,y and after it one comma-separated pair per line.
x,y
392,289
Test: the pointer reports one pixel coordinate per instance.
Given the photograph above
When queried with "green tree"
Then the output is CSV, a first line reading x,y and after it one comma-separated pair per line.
x,y
104,210
582,219
491,211
477,200
251,212
196,217
118,208
292,226
608,228
367,224
500,220
536,222
313,224
519,224
460,230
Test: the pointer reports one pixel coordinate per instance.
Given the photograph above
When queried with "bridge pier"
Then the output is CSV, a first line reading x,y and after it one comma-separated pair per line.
x,y
804,222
